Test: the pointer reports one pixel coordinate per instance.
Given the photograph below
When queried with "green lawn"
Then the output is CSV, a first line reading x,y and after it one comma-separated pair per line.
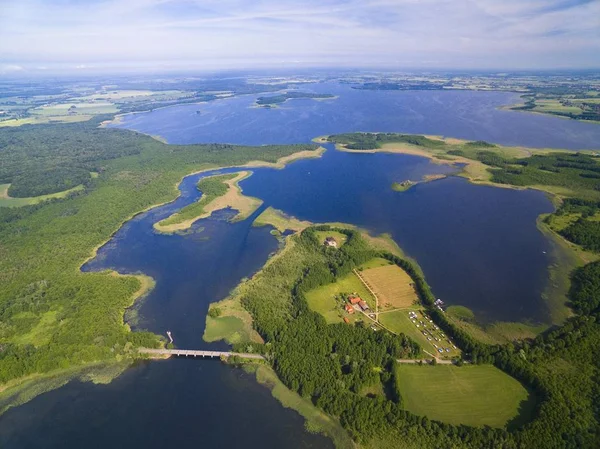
x,y
338,236
474,395
323,299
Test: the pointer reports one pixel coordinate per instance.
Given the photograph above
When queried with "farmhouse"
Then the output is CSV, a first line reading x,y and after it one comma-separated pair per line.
x,y
353,299
349,308
330,241
363,305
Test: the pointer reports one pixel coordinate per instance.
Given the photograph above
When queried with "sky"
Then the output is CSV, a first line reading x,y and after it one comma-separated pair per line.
x,y
97,35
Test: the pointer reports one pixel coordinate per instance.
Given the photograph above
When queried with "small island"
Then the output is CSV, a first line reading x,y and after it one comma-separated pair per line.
x,y
403,186
273,101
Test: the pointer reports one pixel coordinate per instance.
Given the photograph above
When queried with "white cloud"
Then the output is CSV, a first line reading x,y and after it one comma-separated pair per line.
x,y
447,33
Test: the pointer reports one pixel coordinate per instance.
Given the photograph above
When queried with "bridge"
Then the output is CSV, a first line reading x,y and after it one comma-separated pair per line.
x,y
195,353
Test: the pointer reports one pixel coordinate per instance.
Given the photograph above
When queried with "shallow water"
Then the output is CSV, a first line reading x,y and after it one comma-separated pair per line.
x,y
175,403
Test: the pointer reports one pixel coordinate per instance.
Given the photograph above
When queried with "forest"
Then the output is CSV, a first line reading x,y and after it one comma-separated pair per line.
x,y
53,315
371,141
332,364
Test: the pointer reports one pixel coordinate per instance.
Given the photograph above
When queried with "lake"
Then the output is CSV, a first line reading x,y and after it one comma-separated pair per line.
x,y
462,114
478,246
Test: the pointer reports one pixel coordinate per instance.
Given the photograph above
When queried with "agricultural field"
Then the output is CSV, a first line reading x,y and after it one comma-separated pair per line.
x,y
112,95
555,106
44,119
392,285
91,108
399,310
478,395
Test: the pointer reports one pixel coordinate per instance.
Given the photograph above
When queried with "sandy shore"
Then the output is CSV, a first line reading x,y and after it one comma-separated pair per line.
x,y
233,198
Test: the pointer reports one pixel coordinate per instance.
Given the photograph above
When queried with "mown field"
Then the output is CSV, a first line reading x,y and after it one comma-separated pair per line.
x,y
392,285
475,395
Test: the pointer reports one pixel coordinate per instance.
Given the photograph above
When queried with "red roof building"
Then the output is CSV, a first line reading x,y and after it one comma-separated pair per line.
x,y
354,299
349,308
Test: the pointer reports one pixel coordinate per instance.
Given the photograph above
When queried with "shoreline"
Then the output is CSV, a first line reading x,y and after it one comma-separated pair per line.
x,y
280,164
233,195
565,254
147,283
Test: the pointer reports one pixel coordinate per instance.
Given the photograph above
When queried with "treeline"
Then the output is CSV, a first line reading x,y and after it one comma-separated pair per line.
x,y
585,230
43,159
371,141
332,364
576,171
42,182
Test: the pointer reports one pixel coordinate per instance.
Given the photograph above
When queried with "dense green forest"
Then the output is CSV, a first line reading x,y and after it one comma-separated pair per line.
x,y
371,141
331,364
576,171
53,315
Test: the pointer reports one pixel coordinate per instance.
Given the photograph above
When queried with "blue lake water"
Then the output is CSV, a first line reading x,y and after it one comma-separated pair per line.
x,y
478,247
462,114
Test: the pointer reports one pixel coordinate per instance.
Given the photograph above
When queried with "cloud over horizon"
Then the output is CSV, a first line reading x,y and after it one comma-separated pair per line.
x,y
211,34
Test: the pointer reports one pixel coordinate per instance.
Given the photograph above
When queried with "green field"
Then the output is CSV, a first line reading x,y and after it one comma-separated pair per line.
x,y
323,299
231,326
91,108
473,395
399,322
374,263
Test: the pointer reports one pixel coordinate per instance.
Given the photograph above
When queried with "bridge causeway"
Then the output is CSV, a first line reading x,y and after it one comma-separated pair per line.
x,y
196,353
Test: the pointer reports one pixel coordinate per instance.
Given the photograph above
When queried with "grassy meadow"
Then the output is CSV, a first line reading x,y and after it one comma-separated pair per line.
x,y
279,220
6,201
479,395
327,301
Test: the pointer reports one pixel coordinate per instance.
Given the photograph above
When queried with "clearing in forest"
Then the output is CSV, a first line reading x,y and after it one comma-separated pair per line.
x,y
392,285
476,395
